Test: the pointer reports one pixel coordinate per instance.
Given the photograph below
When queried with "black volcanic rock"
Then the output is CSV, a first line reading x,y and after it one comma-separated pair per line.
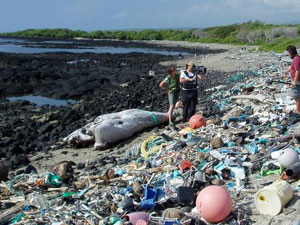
x,y
3,172
104,83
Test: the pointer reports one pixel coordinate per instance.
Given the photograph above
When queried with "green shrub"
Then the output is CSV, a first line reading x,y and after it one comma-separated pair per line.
x,y
131,35
148,34
223,32
96,35
279,45
266,36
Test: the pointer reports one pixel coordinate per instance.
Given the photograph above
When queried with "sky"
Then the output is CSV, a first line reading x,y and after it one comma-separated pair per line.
x,y
91,15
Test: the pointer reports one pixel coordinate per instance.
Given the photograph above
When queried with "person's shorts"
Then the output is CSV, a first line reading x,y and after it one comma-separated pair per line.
x,y
295,92
173,98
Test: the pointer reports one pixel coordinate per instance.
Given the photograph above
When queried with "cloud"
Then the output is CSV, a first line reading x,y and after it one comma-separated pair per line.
x,y
213,6
121,15
232,3
81,8
204,7
282,4
222,12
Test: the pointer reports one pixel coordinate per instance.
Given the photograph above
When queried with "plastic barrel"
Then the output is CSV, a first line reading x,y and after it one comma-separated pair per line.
x,y
271,199
294,170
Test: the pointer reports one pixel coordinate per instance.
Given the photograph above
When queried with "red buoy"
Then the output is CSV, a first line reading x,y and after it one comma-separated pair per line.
x,y
197,121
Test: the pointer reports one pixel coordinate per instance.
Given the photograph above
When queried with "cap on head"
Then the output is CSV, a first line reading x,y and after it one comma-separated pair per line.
x,y
190,64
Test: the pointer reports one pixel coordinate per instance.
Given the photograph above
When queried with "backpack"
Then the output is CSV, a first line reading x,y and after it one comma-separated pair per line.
x,y
190,85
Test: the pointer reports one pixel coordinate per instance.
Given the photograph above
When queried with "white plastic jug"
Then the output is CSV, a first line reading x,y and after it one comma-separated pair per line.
x,y
271,199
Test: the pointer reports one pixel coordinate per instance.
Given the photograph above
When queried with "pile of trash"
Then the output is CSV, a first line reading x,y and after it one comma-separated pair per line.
x,y
224,169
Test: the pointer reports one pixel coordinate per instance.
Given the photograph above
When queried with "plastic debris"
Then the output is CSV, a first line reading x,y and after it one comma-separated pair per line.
x,y
249,141
271,199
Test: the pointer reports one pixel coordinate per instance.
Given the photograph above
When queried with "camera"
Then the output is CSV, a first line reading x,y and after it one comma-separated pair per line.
x,y
199,69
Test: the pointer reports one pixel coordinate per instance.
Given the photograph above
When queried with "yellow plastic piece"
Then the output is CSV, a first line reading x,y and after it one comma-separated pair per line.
x,y
186,130
155,149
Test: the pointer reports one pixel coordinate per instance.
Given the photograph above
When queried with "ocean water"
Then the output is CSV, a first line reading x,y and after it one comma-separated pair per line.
x,y
19,46
40,100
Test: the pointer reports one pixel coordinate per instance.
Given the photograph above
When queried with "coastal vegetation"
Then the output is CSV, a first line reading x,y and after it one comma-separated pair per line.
x,y
266,36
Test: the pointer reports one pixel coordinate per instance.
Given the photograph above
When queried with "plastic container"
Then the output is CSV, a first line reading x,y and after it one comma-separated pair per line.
x,y
185,195
276,154
294,170
288,158
271,199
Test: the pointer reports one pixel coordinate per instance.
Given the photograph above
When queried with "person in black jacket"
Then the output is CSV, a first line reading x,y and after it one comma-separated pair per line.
x,y
188,79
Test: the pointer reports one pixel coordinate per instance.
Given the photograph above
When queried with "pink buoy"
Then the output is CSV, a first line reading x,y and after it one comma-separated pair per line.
x,y
197,121
214,203
141,222
137,217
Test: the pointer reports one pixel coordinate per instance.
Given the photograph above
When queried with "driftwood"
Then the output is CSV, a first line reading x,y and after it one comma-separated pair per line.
x,y
259,98
58,189
287,137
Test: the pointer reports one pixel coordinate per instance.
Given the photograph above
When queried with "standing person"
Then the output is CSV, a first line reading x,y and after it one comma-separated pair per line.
x,y
295,75
171,83
188,79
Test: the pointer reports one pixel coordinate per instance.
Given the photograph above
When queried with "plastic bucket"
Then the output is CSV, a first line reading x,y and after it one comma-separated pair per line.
x,y
271,199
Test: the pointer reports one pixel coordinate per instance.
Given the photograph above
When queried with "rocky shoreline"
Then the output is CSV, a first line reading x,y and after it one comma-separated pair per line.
x,y
103,83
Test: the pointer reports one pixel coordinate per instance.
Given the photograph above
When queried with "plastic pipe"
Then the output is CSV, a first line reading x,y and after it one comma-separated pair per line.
x,y
293,170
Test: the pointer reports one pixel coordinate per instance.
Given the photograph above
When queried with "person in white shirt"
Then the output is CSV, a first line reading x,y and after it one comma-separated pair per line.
x,y
189,90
